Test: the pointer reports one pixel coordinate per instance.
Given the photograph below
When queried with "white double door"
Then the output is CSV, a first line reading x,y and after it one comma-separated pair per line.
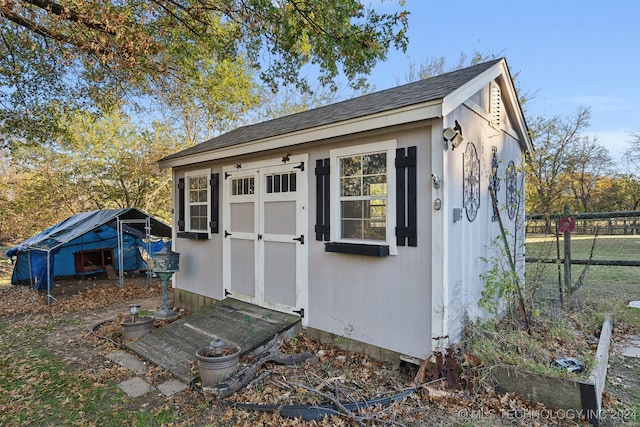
x,y
265,221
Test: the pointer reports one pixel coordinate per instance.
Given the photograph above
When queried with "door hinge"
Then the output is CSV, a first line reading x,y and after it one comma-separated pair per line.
x,y
300,312
300,166
226,233
300,239
227,293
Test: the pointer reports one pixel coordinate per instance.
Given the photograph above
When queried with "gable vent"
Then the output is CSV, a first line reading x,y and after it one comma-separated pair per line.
x,y
495,104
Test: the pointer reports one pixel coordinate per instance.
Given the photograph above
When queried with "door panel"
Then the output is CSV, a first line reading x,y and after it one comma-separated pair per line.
x,y
280,273
243,217
280,218
243,265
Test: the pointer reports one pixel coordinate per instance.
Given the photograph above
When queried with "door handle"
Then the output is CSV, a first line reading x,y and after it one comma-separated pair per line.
x,y
259,236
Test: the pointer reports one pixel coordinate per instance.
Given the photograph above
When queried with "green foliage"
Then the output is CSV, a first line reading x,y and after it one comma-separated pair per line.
x,y
500,285
95,55
102,163
499,343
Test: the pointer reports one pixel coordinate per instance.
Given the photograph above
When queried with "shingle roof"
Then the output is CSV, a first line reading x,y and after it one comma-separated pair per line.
x,y
406,95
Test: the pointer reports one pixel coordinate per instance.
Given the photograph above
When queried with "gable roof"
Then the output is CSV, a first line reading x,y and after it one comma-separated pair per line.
x,y
433,90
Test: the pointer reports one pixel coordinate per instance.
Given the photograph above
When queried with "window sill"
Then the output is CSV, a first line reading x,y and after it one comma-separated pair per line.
x,y
193,236
357,249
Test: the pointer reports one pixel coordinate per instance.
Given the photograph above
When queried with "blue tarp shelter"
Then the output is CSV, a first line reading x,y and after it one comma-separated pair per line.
x,y
87,243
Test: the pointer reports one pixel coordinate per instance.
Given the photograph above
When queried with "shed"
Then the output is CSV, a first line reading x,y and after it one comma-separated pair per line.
x,y
88,243
369,218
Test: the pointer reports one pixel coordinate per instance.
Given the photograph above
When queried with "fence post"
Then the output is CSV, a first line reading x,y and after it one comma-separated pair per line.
x,y
560,292
567,261
566,225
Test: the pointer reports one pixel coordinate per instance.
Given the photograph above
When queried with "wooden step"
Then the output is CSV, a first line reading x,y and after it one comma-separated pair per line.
x,y
173,346
112,274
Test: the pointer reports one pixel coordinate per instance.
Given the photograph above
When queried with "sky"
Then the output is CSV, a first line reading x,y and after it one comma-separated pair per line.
x,y
567,53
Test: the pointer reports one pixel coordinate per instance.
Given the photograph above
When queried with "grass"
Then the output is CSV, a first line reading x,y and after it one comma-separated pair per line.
x,y
508,344
605,247
39,389
603,288
559,331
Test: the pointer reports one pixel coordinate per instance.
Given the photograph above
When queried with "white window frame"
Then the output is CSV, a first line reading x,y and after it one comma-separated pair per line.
x,y
389,147
206,173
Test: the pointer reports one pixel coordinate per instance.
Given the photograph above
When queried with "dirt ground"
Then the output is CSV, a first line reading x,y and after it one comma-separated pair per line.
x,y
81,306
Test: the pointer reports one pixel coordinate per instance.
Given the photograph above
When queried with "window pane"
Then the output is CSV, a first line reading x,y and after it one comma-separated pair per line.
x,y
371,231
351,209
269,182
276,183
374,164
292,181
350,187
378,212
351,229
285,182
350,166
375,185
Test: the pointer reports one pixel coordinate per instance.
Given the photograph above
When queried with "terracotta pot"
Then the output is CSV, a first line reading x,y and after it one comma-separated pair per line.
x,y
140,327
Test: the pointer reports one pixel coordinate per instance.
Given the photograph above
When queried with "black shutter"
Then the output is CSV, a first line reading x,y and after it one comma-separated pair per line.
x,y
181,223
215,201
323,204
406,195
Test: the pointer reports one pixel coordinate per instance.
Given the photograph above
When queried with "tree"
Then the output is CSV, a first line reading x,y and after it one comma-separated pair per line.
x,y
588,164
64,56
631,156
103,163
554,139
620,192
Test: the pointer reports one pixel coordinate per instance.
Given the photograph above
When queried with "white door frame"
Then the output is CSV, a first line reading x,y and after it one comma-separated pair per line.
x,y
301,196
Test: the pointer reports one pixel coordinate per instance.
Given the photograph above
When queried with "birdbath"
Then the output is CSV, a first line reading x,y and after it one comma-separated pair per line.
x,y
165,264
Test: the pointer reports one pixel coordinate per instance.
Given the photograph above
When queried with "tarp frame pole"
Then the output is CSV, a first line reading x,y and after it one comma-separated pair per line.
x,y
30,270
49,279
147,228
120,256
49,297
